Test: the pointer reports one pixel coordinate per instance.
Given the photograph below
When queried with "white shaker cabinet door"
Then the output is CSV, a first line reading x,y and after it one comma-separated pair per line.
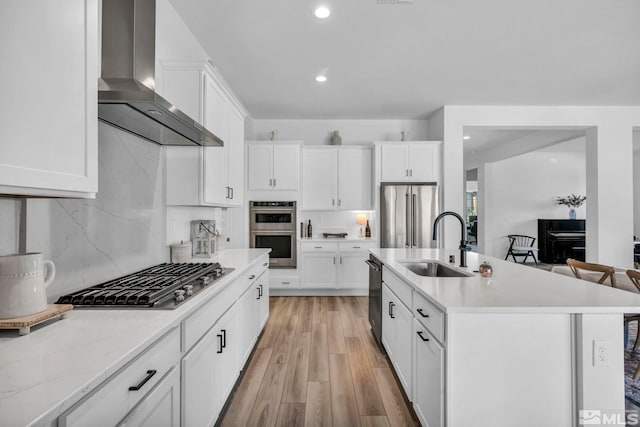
x,y
235,151
354,178
286,167
247,322
262,287
161,408
428,400
198,378
354,272
260,166
319,178
48,114
215,158
394,163
319,270
423,162
227,363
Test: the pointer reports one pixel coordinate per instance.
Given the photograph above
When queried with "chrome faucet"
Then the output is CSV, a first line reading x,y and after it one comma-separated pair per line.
x,y
463,235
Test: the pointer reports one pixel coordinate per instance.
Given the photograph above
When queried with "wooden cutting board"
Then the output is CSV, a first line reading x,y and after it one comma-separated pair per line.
x,y
24,324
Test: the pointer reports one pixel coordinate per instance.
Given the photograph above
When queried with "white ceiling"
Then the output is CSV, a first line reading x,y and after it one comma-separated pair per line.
x,y
407,60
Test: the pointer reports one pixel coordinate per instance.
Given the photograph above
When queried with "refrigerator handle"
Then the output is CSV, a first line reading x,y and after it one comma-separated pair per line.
x,y
414,220
408,220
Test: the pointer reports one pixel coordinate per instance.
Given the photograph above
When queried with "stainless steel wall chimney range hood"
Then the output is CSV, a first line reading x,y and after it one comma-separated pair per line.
x,y
126,97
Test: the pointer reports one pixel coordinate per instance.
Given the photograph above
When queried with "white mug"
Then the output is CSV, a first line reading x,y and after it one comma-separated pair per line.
x,y
23,284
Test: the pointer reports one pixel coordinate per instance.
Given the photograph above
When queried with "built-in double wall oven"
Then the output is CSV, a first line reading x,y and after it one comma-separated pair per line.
x,y
273,225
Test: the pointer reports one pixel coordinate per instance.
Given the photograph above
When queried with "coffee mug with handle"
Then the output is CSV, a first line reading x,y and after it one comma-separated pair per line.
x,y
23,284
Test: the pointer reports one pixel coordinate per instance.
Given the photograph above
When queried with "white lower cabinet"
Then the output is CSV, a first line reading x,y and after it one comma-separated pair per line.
x,y
161,408
226,363
247,321
428,397
335,265
397,324
122,392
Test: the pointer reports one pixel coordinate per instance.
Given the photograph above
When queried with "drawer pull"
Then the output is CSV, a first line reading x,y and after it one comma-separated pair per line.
x,y
258,297
421,313
265,264
224,338
356,247
150,373
317,247
253,276
260,290
286,283
422,337
391,304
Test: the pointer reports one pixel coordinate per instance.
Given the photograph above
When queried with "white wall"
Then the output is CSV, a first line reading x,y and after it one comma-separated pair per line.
x,y
522,189
120,231
9,226
351,131
636,193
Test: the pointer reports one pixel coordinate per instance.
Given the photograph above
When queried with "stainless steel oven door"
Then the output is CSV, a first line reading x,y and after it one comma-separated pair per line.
x,y
282,244
264,218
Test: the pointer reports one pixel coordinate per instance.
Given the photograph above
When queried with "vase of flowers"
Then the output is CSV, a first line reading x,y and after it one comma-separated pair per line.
x,y
572,202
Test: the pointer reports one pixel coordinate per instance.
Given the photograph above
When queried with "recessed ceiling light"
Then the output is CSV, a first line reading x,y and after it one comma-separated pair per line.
x,y
320,78
322,12
466,137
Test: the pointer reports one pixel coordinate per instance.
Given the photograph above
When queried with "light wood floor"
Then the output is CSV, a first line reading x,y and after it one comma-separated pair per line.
x,y
317,364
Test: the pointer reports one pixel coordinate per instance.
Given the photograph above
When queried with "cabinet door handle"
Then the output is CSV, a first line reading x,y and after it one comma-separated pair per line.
x,y
334,260
340,260
231,192
150,373
391,304
410,172
270,180
339,202
286,283
274,182
260,290
333,202
219,343
356,247
317,247
422,336
224,338
421,313
253,276
265,264
406,172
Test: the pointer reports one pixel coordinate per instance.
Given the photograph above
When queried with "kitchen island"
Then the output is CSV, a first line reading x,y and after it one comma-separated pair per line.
x,y
524,347
56,374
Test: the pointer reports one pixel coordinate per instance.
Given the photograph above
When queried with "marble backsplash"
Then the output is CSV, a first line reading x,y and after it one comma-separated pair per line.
x,y
122,230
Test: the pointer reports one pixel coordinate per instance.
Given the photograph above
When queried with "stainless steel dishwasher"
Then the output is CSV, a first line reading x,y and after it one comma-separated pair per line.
x,y
375,299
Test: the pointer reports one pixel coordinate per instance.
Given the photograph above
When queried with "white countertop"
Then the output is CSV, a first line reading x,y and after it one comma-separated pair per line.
x,y
338,239
44,373
513,288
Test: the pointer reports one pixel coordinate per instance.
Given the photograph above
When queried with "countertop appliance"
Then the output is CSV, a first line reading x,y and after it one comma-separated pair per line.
x,y
164,286
272,225
407,212
375,299
126,96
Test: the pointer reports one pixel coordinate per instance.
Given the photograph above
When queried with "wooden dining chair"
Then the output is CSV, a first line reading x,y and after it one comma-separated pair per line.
x,y
607,271
634,276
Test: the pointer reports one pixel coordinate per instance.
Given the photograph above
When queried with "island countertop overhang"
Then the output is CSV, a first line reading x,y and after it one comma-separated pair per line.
x,y
513,288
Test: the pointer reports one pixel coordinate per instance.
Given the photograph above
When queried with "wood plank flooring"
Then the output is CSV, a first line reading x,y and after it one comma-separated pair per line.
x,y
317,364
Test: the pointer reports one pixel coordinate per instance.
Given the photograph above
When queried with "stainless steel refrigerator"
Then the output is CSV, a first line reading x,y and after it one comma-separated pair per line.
x,y
407,212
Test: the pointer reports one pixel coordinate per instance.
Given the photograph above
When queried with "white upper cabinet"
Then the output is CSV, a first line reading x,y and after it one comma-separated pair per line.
x,y
273,166
336,178
410,161
49,86
216,175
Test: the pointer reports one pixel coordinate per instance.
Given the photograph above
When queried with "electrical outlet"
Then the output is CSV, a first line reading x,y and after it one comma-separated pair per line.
x,y
601,353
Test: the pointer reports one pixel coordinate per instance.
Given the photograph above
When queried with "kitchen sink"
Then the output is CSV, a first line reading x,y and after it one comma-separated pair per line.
x,y
433,269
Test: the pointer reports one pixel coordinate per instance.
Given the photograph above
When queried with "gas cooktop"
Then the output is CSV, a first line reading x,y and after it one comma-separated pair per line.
x,y
164,286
